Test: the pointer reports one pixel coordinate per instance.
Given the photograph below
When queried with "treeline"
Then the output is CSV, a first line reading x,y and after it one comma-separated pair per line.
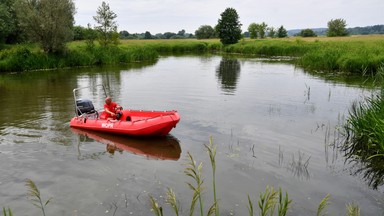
x,y
376,29
81,33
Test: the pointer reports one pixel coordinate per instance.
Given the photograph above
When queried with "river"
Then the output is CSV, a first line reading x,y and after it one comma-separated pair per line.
x,y
273,124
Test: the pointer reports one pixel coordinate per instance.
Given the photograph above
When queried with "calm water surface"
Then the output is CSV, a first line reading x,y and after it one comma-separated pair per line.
x,y
274,125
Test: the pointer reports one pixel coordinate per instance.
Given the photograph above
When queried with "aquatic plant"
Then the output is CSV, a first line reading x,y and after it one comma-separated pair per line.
x,y
158,210
211,149
171,200
364,142
5,212
267,203
194,171
353,209
322,206
35,197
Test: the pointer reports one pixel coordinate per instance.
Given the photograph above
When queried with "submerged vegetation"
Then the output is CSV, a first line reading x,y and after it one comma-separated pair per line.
x,y
362,54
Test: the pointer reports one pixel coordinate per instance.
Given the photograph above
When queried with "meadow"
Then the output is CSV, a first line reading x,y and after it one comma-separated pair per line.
x,y
355,54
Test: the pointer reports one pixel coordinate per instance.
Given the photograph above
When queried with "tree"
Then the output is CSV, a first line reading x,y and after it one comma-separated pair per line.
x,y
253,30
107,27
10,31
229,27
205,32
168,35
262,28
271,32
307,33
79,33
337,28
124,34
181,33
147,35
282,32
90,36
48,22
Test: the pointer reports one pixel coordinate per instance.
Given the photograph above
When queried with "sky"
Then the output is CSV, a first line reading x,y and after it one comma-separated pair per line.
x,y
159,16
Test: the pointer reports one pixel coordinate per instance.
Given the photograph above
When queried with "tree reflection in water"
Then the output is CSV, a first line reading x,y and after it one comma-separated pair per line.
x,y
228,73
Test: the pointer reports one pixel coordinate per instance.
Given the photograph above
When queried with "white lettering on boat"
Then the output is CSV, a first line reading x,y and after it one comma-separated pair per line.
x,y
107,125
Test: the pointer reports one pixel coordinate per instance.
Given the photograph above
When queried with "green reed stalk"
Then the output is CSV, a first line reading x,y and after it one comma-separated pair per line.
x,y
353,209
158,210
250,206
34,195
171,200
211,149
5,212
284,203
322,206
267,202
194,172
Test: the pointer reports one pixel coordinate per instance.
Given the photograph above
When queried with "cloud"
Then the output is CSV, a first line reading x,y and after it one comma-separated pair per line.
x,y
173,15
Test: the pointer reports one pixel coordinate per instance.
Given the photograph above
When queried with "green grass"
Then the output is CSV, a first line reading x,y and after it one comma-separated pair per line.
x,y
365,139
34,196
364,132
361,54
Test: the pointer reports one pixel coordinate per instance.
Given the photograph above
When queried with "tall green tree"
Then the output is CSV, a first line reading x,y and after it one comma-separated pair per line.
x,y
205,32
271,32
337,28
262,29
48,22
307,33
282,32
228,27
147,35
107,26
10,31
253,30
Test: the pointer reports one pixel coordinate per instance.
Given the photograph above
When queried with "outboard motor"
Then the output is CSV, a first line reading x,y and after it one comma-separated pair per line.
x,y
84,106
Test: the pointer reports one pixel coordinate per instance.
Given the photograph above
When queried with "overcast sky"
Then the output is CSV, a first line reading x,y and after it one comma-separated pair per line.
x,y
159,16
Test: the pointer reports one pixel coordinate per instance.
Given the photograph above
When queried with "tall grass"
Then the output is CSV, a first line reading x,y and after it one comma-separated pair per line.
x,y
364,142
25,58
267,203
35,197
7,213
349,54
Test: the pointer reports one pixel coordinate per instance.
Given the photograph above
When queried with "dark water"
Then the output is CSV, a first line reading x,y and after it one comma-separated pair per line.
x,y
274,125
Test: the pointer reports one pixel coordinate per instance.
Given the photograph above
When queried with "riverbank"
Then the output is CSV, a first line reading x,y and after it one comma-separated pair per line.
x,y
357,54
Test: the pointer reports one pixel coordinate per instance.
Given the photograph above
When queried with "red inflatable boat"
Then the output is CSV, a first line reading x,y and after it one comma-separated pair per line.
x,y
131,122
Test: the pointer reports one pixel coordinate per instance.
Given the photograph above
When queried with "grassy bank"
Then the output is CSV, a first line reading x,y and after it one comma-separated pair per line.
x,y
358,54
30,57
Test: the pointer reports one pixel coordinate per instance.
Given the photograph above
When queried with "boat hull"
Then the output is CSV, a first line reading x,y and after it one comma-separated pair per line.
x,y
132,122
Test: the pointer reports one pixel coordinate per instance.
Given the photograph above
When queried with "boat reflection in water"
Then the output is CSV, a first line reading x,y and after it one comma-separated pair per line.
x,y
163,148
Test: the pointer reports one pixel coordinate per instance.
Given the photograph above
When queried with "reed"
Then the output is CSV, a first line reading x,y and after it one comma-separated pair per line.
x,y
171,200
195,172
353,209
211,149
250,206
322,206
158,210
7,213
35,197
